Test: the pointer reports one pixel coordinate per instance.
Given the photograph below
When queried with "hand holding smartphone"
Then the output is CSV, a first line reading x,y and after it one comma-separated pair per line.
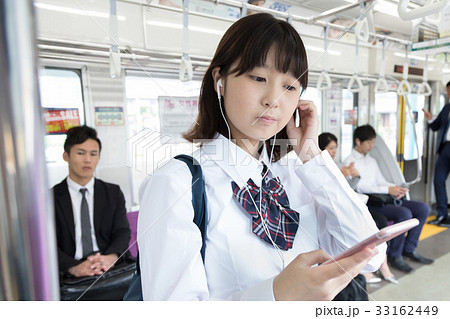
x,y
380,237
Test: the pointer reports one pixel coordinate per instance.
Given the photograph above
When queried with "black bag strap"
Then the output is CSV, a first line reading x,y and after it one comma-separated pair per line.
x,y
198,196
200,219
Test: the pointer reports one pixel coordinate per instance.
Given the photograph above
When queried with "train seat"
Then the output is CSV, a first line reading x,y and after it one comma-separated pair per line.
x,y
132,220
387,163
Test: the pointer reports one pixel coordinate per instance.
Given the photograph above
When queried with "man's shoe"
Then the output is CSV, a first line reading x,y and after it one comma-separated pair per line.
x,y
417,258
400,264
437,221
445,222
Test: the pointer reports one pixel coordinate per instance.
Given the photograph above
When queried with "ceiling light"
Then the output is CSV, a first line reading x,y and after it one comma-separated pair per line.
x,y
180,26
330,52
420,58
76,11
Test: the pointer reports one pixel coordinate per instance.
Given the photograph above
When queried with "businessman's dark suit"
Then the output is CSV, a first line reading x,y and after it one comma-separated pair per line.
x,y
111,226
442,169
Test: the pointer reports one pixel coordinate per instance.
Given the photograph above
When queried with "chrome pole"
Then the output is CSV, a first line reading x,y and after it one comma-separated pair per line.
x,y
28,264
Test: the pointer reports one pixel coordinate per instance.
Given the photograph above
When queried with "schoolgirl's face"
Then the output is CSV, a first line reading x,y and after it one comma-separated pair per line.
x,y
260,102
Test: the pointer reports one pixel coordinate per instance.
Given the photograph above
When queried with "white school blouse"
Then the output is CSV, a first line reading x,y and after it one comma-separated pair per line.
x,y
372,180
238,264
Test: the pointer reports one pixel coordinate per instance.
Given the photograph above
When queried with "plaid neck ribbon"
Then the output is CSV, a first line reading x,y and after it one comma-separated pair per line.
x,y
278,218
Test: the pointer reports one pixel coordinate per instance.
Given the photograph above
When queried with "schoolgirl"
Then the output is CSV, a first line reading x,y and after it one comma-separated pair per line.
x,y
277,205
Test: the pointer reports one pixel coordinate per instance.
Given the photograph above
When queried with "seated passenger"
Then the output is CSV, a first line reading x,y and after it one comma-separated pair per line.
x,y
329,142
372,182
92,229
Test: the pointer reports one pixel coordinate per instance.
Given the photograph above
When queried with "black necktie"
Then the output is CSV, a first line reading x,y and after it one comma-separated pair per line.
x,y
86,239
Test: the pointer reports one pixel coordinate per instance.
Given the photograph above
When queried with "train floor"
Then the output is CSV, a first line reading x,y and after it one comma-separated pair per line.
x,y
427,282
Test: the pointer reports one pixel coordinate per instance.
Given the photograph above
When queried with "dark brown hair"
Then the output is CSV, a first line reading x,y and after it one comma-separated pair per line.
x,y
364,133
326,138
247,43
78,135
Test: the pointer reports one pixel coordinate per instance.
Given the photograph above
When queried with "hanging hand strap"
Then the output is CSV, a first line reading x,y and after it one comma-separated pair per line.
x,y
324,76
404,87
186,70
381,85
424,88
355,76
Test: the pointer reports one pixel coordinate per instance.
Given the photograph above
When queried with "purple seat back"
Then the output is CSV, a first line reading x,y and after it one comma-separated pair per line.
x,y
132,220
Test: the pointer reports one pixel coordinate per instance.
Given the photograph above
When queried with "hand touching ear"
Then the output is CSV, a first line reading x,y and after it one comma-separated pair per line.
x,y
306,134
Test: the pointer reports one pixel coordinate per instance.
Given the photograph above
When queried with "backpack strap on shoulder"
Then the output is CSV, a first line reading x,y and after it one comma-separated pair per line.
x,y
200,219
198,196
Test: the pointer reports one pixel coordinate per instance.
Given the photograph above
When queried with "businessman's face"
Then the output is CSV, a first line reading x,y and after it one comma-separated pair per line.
x,y
83,159
367,146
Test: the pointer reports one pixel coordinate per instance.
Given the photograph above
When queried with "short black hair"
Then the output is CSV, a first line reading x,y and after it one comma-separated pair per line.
x,y
326,138
364,133
78,135
448,84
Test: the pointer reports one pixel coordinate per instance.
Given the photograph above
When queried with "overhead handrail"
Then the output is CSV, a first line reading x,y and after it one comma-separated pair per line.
x,y
355,77
424,88
186,71
324,76
404,87
430,7
381,85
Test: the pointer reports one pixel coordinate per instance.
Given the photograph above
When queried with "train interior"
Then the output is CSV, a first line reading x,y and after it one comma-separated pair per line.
x,y
132,69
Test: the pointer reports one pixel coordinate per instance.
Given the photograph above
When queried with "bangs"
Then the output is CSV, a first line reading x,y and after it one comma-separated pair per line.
x,y
290,54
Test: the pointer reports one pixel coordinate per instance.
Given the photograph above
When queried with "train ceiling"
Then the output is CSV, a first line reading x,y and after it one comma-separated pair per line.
x,y
385,14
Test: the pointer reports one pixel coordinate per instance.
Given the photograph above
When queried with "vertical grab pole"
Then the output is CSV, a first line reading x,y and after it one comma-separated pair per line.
x,y
401,132
28,257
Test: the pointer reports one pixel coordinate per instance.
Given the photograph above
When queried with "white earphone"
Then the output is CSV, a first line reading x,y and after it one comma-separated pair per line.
x,y
219,85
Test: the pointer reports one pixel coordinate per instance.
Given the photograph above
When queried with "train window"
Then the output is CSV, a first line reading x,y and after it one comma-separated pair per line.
x,y
142,93
417,103
348,122
386,105
62,101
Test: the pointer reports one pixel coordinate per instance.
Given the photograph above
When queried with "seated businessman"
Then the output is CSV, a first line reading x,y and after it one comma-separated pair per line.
x,y
92,229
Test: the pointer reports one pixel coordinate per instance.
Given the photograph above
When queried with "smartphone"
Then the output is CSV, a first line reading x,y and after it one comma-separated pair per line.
x,y
296,118
380,237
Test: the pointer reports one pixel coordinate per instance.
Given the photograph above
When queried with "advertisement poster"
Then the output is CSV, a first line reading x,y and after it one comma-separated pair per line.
x,y
350,117
109,116
58,121
176,115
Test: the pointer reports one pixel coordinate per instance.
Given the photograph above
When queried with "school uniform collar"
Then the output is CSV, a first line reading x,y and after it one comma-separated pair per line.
x,y
234,161
76,187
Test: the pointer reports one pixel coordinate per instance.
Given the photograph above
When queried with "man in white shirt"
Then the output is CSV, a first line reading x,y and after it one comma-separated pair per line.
x,y
442,168
373,182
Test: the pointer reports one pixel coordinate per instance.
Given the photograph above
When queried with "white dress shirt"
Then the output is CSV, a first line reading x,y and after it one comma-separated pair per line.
x,y
238,264
76,196
372,180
